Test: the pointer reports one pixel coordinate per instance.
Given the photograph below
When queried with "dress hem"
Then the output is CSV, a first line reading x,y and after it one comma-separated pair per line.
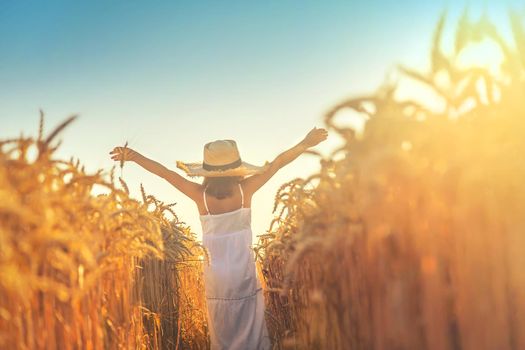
x,y
233,299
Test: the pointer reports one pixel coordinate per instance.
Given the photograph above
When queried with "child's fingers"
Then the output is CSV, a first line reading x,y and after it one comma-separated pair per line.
x,y
116,150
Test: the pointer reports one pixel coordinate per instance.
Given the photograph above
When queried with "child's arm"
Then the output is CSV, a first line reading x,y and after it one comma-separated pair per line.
x,y
314,137
189,188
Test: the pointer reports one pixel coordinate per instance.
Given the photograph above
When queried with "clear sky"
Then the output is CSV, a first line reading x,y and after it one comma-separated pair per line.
x,y
169,76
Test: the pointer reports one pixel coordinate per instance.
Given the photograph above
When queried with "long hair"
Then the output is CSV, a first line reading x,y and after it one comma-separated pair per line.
x,y
221,187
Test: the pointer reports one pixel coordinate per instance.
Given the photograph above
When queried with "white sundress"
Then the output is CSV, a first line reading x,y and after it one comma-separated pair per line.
x,y
233,291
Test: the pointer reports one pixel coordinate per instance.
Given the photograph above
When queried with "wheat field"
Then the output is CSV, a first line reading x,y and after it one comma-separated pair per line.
x,y
79,271
411,236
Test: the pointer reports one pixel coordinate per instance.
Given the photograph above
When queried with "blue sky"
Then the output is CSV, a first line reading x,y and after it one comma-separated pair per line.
x,y
169,76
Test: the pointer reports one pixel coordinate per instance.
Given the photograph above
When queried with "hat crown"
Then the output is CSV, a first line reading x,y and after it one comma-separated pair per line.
x,y
221,152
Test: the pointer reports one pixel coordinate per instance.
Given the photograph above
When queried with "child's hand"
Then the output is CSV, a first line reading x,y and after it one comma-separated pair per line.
x,y
315,137
123,154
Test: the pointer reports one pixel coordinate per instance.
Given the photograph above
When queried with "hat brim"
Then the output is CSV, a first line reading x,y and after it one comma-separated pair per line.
x,y
245,169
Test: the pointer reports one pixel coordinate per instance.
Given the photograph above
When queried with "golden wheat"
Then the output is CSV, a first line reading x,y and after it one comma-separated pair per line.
x,y
79,271
413,238
410,236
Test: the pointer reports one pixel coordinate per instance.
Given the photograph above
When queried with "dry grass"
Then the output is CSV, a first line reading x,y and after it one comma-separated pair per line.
x,y
79,271
412,234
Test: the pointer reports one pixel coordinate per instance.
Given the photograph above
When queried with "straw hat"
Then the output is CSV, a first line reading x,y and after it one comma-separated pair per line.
x,y
221,158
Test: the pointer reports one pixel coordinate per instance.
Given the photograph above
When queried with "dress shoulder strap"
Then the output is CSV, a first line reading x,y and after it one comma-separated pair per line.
x,y
242,196
205,203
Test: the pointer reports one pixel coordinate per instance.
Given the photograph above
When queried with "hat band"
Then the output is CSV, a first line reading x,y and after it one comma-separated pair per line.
x,y
235,164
